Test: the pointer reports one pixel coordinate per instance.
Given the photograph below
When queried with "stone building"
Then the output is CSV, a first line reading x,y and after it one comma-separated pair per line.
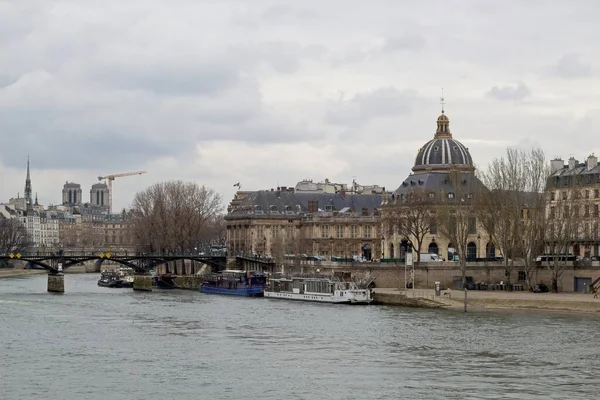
x,y
99,195
314,222
576,185
444,172
72,194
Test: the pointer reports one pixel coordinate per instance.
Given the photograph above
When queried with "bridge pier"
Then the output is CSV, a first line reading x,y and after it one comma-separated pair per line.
x,y
142,283
56,283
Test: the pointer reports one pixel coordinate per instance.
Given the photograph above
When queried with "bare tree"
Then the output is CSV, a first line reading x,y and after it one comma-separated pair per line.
x,y
173,216
501,204
457,218
13,236
533,222
564,223
278,246
411,216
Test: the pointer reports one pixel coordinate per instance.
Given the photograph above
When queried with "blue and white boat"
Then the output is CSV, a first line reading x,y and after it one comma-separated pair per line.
x,y
236,283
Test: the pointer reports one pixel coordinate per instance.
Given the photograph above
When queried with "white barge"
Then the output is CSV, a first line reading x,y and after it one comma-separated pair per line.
x,y
318,289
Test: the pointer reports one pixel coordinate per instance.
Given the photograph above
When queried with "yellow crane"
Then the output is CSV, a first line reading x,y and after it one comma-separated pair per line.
x,y
110,178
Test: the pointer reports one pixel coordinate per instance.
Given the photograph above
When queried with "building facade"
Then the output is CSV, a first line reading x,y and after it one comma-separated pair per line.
x,y
443,175
312,221
72,194
573,209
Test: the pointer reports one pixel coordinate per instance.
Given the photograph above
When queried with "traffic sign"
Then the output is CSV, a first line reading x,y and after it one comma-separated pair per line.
x,y
101,255
107,255
18,255
11,255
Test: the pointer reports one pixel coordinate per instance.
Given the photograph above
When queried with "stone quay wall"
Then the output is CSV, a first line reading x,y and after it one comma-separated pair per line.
x,y
387,275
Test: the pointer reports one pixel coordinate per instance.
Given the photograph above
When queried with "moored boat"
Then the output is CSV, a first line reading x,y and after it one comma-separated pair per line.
x,y
322,289
236,283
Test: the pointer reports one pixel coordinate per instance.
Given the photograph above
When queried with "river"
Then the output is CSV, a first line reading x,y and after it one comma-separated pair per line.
x,y
110,344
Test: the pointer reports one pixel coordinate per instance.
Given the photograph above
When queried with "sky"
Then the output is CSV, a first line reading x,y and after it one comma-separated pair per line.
x,y
268,93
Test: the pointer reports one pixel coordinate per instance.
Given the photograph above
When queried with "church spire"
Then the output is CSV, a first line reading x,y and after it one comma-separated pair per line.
x,y
28,200
36,200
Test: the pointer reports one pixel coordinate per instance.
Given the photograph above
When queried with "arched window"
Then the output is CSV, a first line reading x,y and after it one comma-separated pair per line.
x,y
433,248
490,250
451,252
471,251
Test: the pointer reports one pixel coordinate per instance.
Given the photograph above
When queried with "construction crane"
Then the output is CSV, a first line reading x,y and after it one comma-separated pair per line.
x,y
111,178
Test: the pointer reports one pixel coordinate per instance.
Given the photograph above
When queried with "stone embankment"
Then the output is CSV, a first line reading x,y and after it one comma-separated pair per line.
x,y
491,300
418,298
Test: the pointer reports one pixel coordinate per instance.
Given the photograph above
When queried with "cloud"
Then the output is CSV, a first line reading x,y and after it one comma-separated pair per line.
x,y
513,92
382,102
263,91
571,66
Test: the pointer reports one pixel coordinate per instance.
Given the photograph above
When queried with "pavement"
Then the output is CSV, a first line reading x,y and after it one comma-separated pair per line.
x,y
491,299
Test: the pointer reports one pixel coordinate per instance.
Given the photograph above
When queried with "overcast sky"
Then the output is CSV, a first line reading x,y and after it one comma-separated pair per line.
x,y
266,92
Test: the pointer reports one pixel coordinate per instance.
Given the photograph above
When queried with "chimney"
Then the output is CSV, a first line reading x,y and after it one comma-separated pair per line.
x,y
572,162
556,165
592,162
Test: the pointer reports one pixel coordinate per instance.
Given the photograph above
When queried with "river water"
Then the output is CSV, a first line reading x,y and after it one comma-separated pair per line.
x,y
109,344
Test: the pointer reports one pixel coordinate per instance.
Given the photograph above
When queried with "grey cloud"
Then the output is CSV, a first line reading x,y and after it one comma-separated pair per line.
x,y
363,107
571,66
402,43
170,80
282,12
514,92
391,45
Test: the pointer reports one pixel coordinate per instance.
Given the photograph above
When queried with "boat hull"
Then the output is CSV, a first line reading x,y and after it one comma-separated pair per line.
x,y
314,297
252,291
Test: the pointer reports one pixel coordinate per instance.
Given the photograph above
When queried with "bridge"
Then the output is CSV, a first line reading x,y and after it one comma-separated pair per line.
x,y
141,263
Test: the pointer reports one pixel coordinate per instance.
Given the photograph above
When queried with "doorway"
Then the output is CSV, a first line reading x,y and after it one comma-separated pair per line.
x,y
367,252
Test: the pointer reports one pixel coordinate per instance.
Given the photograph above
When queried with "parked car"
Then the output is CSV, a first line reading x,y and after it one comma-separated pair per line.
x,y
540,288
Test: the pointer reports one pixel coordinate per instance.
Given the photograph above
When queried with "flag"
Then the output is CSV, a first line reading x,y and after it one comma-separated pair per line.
x,y
237,184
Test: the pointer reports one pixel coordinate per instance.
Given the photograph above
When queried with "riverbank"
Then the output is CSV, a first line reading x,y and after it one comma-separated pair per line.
x,y
12,272
488,300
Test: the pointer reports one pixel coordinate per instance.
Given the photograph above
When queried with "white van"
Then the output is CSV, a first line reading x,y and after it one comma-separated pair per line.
x,y
430,257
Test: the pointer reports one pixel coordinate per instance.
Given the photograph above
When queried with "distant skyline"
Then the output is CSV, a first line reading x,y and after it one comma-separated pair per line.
x,y
268,92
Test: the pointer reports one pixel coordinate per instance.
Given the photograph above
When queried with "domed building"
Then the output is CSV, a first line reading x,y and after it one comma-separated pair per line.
x,y
443,173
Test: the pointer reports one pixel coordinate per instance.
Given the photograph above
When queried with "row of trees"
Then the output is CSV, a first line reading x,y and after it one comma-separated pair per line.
x,y
176,216
512,204
13,236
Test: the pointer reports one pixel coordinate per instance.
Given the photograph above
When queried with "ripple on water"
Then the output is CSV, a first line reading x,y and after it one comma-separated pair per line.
x,y
96,343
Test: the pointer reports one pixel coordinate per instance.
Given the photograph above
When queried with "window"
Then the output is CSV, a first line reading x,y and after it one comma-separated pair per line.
x,y
353,231
552,213
325,231
587,193
450,195
431,195
586,211
596,193
368,229
329,208
472,225
273,231
521,276
339,231
596,210
433,228
564,195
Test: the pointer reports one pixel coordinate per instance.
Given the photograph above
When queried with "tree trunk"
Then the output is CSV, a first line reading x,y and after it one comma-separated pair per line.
x,y
554,284
464,282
